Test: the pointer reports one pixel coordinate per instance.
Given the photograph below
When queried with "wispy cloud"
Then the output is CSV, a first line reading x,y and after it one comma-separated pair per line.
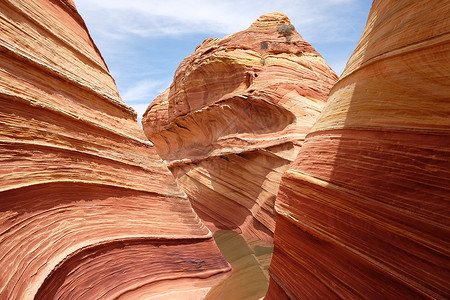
x,y
141,94
144,89
140,109
129,33
122,19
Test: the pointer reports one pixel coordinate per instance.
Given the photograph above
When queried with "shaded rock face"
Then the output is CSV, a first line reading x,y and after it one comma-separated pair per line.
x,y
88,210
234,118
364,211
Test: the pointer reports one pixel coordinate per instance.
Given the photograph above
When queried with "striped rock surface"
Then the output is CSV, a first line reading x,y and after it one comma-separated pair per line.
x,y
228,127
234,118
88,210
365,210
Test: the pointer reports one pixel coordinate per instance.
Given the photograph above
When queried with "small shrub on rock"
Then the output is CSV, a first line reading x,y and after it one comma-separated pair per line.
x,y
285,29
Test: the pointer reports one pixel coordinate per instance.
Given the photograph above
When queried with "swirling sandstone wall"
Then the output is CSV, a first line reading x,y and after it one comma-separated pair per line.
x,y
364,211
87,208
234,118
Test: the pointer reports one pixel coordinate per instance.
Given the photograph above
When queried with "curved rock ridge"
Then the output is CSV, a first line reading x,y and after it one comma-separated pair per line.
x,y
88,210
234,118
364,211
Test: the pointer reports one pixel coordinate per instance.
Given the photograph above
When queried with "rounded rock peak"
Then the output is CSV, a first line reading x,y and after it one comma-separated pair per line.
x,y
270,21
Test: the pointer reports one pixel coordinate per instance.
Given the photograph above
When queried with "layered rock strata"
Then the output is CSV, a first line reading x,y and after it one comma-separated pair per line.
x,y
234,118
88,210
364,211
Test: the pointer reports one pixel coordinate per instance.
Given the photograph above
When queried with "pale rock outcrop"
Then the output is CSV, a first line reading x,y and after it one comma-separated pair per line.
x,y
88,210
364,211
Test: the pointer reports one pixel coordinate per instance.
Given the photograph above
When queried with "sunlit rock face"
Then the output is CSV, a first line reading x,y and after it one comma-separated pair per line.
x,y
364,211
234,118
88,210
228,127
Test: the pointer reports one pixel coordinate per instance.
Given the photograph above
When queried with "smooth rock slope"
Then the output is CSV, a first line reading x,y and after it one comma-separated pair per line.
x,y
364,212
234,118
88,210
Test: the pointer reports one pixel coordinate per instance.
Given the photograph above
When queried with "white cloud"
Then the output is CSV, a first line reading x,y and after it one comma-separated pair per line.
x,y
140,109
140,94
119,27
144,90
148,18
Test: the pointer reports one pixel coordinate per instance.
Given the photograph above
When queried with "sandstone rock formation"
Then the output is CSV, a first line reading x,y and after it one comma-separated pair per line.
x,y
87,208
364,211
229,126
234,118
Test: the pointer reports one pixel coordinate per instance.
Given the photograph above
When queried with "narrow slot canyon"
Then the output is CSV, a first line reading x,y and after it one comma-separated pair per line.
x,y
257,173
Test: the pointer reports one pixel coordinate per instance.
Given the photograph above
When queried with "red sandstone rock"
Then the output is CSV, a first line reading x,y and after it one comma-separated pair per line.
x,y
234,118
88,210
364,211
229,126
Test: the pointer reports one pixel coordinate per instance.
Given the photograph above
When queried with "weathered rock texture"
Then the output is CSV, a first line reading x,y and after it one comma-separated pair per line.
x,y
364,211
234,118
87,208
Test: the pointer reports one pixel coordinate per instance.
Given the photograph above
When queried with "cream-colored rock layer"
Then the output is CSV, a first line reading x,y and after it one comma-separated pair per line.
x,y
234,118
364,211
250,259
88,210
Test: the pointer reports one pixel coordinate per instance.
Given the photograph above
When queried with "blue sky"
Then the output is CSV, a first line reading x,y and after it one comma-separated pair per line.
x,y
144,41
